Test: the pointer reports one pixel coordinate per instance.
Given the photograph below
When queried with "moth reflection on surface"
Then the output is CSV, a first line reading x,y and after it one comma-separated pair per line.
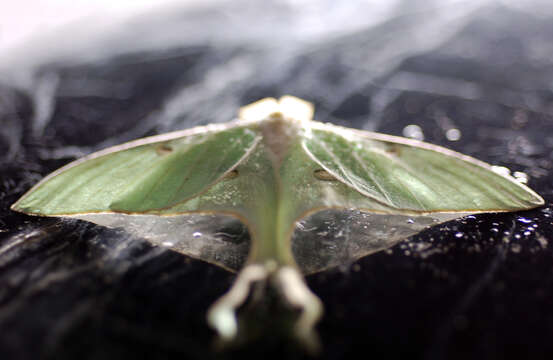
x,y
323,240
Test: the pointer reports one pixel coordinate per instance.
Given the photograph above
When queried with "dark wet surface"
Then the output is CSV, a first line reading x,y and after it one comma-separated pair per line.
x,y
480,287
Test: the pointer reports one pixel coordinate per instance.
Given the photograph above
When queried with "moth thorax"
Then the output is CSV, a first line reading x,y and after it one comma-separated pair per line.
x,y
278,134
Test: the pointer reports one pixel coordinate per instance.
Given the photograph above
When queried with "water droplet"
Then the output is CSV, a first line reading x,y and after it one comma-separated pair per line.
x,y
413,131
410,221
501,170
494,230
453,134
197,234
542,241
527,233
516,248
521,177
167,243
459,235
524,220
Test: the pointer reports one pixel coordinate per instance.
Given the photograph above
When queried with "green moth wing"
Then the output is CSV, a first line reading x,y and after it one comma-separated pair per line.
x,y
400,185
398,175
145,187
150,175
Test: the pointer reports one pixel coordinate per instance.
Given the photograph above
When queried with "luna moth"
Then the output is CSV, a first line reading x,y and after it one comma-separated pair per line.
x,y
269,169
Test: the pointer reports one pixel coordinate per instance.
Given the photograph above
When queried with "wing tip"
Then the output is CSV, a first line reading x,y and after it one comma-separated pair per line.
x,y
537,200
25,210
532,198
17,207
22,208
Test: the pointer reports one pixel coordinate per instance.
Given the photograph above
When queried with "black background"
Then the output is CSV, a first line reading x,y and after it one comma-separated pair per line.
x,y
480,287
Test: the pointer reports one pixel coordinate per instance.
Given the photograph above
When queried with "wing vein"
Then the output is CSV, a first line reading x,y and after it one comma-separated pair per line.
x,y
374,179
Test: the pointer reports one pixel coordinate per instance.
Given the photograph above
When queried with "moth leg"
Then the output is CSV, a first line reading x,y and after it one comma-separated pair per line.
x,y
222,314
298,295
294,294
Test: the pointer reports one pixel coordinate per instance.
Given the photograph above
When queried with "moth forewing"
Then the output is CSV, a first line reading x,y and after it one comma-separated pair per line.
x,y
410,175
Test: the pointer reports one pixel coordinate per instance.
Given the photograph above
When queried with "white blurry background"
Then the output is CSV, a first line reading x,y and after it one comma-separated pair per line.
x,y
40,24
35,27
